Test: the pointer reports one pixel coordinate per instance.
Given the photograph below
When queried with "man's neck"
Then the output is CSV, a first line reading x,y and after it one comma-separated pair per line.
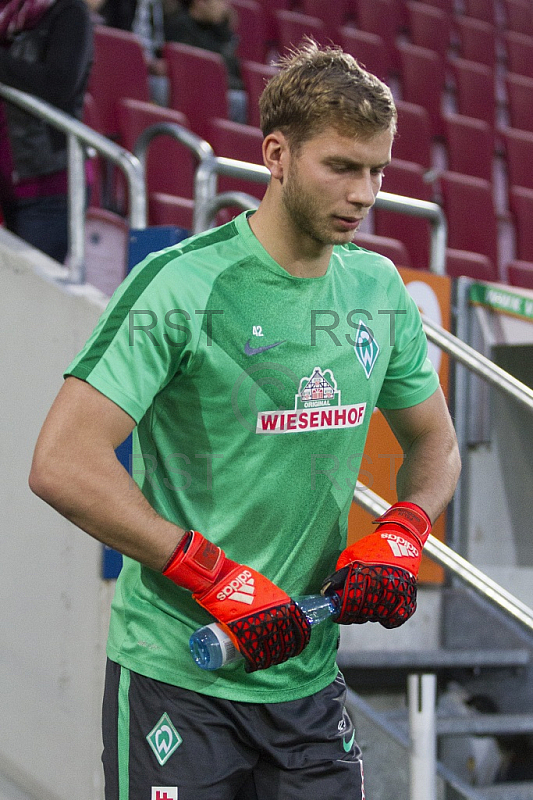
x,y
294,251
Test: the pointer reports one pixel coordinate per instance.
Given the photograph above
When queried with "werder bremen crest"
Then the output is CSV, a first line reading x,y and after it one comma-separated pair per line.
x,y
164,739
366,348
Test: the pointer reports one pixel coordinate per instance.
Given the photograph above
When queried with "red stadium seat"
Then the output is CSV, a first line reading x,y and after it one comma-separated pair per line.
x,y
167,209
391,248
198,84
333,14
429,27
469,207
521,204
106,249
407,179
520,273
475,90
519,154
480,9
413,139
518,16
293,26
477,40
243,142
520,101
251,28
119,70
470,265
384,18
255,77
470,146
367,48
170,165
423,81
519,50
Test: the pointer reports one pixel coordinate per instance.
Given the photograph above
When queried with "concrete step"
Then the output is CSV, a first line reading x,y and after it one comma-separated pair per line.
x,y
434,660
507,791
474,724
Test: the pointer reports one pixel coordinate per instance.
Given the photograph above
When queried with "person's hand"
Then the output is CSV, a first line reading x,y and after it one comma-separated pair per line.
x,y
264,623
376,577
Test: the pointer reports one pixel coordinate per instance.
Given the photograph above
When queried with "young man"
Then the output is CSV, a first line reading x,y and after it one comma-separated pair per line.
x,y
249,417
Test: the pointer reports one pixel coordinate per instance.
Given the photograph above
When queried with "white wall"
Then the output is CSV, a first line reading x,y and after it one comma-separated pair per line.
x,y
53,603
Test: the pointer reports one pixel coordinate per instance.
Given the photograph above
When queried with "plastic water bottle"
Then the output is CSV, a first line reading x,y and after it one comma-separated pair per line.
x,y
212,648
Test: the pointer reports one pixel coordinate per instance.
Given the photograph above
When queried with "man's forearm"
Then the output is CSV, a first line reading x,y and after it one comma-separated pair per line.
x,y
429,473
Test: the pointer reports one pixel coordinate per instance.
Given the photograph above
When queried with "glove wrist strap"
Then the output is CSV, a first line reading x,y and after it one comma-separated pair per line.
x,y
410,517
196,563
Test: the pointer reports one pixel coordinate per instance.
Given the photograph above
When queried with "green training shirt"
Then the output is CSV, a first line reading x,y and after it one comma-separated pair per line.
x,y
252,391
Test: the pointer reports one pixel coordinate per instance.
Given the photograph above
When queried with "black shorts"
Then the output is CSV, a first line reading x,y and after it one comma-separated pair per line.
x,y
166,743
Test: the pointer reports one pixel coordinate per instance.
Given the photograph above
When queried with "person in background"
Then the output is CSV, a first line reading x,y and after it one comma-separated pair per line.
x,y
46,49
209,24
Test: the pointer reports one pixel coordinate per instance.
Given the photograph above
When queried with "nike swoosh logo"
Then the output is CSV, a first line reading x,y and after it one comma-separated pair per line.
x,y
254,351
348,745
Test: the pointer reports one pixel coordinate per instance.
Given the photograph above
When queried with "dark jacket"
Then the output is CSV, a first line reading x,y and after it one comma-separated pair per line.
x,y
52,61
219,39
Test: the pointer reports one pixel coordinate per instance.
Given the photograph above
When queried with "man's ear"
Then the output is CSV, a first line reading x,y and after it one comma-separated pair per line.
x,y
275,154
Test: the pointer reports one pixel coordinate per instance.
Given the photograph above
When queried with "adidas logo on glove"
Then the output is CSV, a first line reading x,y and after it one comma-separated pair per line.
x,y
241,589
400,546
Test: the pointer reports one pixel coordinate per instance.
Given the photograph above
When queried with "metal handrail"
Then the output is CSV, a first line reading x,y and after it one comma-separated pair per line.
x,y
385,200
478,363
461,568
80,136
204,189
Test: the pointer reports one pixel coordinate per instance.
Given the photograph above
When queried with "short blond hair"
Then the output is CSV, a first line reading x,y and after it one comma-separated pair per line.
x,y
321,87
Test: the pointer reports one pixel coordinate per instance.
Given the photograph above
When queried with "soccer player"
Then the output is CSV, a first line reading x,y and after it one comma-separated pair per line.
x,y
247,361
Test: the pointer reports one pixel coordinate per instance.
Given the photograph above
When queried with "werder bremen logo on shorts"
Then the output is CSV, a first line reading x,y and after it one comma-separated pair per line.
x,y
366,348
164,739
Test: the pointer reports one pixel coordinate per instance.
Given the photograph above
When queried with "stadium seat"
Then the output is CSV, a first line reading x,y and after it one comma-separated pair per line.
x,y
106,249
519,101
119,70
333,14
423,81
251,29
413,139
270,7
470,265
385,246
243,142
469,207
521,205
255,76
519,154
384,18
367,48
476,40
407,179
480,9
444,5
198,84
518,16
470,146
520,273
170,165
168,209
293,26
429,27
519,52
475,90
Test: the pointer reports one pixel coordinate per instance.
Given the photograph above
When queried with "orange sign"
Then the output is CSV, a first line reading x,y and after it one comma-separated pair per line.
x,y
383,455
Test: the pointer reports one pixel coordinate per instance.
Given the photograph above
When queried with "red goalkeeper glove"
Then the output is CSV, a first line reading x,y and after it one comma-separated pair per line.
x,y
264,623
376,577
